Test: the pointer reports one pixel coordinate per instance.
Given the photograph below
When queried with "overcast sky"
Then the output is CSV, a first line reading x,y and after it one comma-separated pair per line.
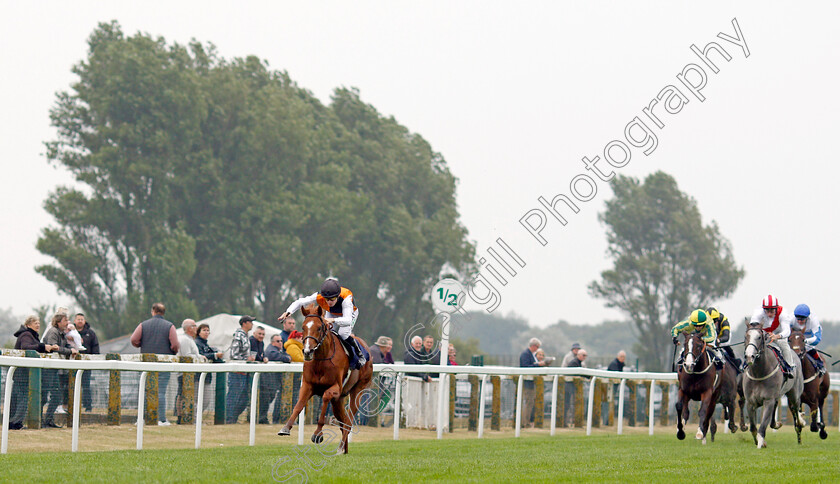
x,y
513,95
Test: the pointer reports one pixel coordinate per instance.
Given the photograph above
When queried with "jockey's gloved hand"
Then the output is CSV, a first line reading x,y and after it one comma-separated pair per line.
x,y
675,340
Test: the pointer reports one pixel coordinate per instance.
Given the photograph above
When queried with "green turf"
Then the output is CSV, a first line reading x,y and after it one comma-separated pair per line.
x,y
602,458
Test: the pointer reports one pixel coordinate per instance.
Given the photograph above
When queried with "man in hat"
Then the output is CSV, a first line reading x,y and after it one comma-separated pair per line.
x,y
571,355
380,352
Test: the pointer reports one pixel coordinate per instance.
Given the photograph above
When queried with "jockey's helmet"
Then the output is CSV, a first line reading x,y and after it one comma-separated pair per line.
x,y
699,318
802,311
330,288
770,302
713,313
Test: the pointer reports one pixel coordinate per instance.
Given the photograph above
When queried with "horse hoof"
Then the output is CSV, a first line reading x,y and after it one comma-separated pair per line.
x,y
744,428
285,431
823,434
734,428
317,438
777,425
699,435
704,441
680,434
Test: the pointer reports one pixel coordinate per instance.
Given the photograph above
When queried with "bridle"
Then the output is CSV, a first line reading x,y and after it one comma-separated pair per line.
x,y
322,330
691,338
758,355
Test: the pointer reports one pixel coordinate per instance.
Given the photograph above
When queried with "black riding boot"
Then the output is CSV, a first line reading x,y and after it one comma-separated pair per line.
x,y
358,359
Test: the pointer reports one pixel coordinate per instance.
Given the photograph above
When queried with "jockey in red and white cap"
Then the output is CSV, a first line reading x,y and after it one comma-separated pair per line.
x,y
776,321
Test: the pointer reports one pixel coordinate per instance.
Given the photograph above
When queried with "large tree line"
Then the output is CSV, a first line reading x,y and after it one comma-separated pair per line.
x,y
220,185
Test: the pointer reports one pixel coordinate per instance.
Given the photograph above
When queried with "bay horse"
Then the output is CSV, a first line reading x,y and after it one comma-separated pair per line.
x,y
699,381
731,392
764,385
325,370
815,388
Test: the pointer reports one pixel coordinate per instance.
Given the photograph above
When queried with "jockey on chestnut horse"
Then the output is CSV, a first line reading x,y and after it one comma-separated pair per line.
x,y
327,371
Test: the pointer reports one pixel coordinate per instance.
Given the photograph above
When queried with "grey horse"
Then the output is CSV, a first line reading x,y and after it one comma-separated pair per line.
x,y
764,385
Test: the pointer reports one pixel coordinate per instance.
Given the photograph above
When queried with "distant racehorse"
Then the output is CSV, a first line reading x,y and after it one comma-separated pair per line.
x,y
325,370
815,386
764,385
699,381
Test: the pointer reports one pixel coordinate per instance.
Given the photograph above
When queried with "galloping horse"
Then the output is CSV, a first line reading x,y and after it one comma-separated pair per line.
x,y
731,392
815,387
700,381
764,385
325,369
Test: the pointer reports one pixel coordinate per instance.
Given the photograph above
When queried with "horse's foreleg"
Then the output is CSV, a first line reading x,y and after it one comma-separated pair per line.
x,y
769,410
751,410
680,406
795,406
303,397
704,414
326,398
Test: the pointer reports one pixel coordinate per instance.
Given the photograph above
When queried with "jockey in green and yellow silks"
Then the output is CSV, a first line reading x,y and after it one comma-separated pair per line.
x,y
700,322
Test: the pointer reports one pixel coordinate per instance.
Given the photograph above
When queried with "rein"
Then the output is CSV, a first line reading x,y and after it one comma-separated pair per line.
x,y
323,331
708,365
757,356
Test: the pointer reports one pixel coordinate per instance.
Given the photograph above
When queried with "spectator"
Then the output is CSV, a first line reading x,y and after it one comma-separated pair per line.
x,y
575,362
188,348
452,354
212,354
91,343
288,327
158,336
430,355
380,352
238,388
55,381
570,355
294,346
257,345
27,339
271,384
618,363
540,356
74,339
414,356
528,360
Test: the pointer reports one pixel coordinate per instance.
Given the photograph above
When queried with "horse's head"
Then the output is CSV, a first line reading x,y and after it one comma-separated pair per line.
x,y
754,341
797,341
314,330
693,349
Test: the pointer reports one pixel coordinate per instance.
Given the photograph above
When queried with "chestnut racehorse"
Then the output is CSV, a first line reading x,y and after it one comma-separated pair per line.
x,y
816,387
324,372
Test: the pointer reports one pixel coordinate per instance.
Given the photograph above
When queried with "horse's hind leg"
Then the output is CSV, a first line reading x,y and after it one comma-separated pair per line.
x,y
795,406
821,416
304,396
344,423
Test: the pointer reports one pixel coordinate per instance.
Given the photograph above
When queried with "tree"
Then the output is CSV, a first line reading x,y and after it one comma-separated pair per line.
x,y
218,185
666,262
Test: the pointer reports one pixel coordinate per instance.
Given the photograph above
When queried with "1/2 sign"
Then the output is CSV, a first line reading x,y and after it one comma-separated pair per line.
x,y
447,295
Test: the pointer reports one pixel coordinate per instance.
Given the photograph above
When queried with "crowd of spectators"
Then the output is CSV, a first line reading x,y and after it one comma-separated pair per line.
x,y
156,335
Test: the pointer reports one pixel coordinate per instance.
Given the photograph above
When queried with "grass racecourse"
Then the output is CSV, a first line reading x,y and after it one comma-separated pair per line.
x,y
569,456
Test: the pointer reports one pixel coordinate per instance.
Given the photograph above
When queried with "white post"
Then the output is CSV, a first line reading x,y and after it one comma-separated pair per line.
x,y
518,425
621,406
650,398
443,390
590,405
7,404
554,404
300,425
141,404
481,405
255,388
199,409
397,405
77,398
